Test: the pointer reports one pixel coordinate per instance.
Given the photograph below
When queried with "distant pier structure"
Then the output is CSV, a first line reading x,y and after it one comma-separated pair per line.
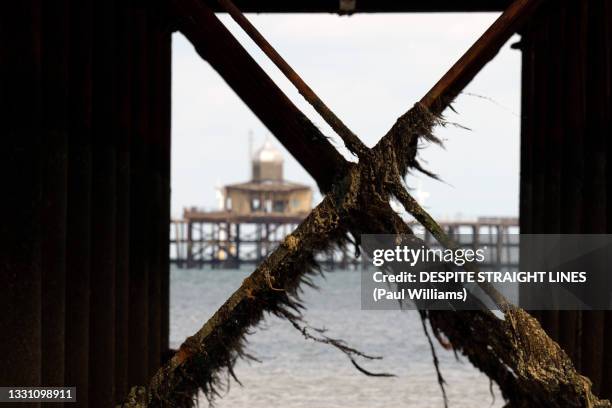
x,y
256,215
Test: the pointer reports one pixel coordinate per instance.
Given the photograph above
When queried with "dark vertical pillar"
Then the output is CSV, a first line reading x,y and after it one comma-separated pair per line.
x,y
573,117
549,134
55,144
154,193
78,229
161,70
138,279
607,130
534,140
20,166
124,77
570,156
104,181
528,114
553,129
595,181
165,95
539,143
189,244
237,243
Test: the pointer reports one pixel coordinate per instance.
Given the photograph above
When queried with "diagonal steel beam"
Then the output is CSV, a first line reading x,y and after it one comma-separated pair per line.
x,y
351,141
211,348
434,102
215,44
442,94
478,55
304,141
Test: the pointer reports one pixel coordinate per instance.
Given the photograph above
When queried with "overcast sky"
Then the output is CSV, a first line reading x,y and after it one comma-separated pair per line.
x,y
369,69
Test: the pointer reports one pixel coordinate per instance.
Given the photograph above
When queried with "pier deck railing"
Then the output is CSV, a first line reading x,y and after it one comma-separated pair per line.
x,y
225,240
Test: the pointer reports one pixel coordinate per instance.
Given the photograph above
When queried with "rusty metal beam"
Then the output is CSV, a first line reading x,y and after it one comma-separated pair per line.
x,y
351,141
215,44
202,27
478,55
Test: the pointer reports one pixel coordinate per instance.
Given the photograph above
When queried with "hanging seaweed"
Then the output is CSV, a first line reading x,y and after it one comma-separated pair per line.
x,y
514,351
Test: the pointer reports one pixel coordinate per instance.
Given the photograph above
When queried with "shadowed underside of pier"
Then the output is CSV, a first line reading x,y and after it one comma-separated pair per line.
x,y
85,159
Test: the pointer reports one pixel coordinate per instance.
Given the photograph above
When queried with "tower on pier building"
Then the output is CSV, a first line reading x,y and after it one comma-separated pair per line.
x,y
267,192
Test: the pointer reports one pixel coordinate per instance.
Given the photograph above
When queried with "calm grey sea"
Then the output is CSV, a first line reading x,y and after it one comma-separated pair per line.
x,y
297,373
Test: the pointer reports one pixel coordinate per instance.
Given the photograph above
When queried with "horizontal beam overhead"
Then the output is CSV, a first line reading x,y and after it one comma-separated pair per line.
x,y
365,6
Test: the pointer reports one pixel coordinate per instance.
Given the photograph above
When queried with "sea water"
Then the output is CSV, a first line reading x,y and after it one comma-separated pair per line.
x,y
297,373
